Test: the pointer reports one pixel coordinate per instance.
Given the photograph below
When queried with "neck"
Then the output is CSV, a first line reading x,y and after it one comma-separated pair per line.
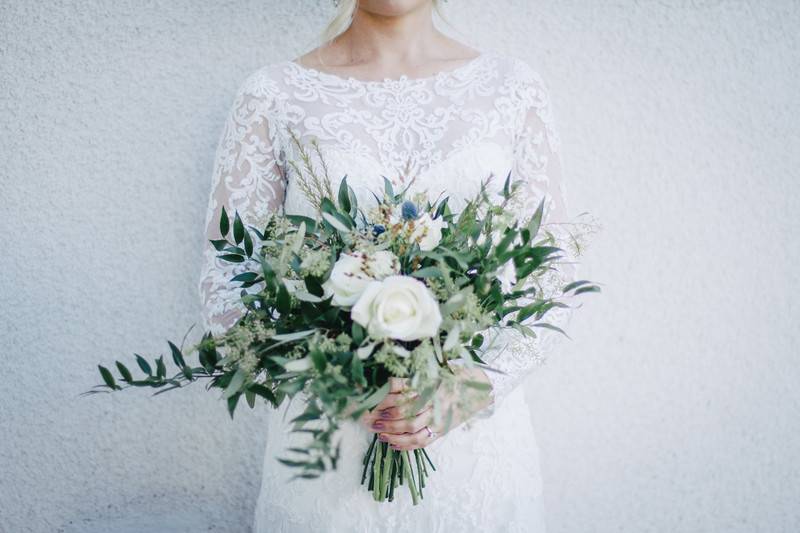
x,y
393,40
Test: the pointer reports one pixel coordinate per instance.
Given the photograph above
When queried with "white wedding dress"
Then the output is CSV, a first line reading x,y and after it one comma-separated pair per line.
x,y
441,133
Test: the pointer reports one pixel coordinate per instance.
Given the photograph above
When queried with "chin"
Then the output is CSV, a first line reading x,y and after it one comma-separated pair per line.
x,y
391,8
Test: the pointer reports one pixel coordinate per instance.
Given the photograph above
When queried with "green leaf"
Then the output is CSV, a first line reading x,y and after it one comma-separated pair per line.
x,y
108,378
374,399
387,187
264,392
234,250
428,272
124,372
551,326
297,335
232,258
593,288
314,286
335,222
478,385
224,222
358,333
326,205
357,371
344,197
143,364
304,296
233,401
504,243
311,413
299,237
235,384
353,201
291,387
238,229
530,310
292,464
575,284
248,244
161,369
250,396
284,300
177,356
219,244
311,224
507,185
245,276
318,358
536,220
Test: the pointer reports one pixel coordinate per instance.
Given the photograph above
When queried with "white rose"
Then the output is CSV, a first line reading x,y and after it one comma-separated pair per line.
x,y
399,307
354,271
427,231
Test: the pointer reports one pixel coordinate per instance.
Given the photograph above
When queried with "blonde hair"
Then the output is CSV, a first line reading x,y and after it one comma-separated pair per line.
x,y
345,11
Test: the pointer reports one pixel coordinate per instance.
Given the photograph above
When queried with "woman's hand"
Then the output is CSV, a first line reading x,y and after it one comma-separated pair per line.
x,y
395,421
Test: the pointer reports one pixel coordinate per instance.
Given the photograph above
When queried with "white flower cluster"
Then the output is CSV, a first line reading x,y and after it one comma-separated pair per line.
x,y
389,305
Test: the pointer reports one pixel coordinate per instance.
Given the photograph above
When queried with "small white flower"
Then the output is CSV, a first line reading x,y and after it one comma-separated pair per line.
x,y
354,271
507,275
399,307
294,285
427,231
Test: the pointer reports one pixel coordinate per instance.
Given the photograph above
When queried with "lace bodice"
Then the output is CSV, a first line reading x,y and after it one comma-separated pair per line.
x,y
442,133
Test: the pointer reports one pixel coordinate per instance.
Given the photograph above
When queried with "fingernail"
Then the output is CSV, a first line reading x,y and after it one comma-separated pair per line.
x,y
385,414
377,425
382,438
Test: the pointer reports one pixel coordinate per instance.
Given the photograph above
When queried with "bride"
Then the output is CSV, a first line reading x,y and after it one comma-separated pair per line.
x,y
389,95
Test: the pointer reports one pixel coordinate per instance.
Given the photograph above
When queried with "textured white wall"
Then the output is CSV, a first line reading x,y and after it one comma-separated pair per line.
x,y
675,408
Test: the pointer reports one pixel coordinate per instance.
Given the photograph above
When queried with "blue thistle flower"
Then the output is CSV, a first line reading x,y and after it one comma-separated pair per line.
x,y
377,229
409,210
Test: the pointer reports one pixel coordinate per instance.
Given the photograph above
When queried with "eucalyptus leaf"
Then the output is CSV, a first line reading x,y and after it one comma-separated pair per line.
x,y
337,224
344,197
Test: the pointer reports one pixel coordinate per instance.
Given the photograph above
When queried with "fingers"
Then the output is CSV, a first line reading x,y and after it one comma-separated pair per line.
x,y
397,405
403,425
404,410
409,441
397,399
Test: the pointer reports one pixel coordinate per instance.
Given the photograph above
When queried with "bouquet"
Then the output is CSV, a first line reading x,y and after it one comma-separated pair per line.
x,y
403,288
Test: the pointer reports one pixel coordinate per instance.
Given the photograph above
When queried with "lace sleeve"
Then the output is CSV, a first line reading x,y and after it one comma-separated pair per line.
x,y
537,164
246,178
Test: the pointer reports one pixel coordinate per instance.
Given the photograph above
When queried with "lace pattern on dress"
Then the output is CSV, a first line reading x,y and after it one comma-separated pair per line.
x,y
442,134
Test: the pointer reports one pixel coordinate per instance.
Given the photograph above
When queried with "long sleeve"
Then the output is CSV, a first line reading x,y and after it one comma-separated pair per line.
x,y
246,178
537,164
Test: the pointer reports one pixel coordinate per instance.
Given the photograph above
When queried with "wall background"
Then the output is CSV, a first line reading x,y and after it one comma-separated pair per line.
x,y
675,409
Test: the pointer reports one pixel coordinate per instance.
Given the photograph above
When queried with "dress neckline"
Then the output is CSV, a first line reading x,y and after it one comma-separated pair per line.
x,y
324,76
